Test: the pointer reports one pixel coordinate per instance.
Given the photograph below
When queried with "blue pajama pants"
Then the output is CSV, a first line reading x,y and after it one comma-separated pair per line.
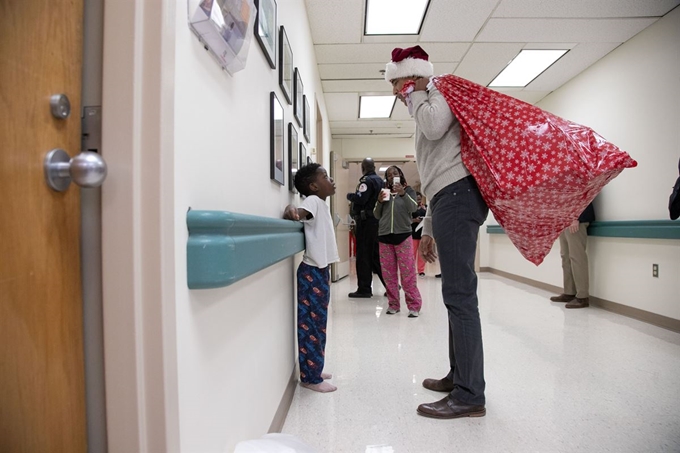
x,y
313,298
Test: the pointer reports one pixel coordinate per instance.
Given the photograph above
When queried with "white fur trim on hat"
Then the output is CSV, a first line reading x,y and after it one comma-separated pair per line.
x,y
408,67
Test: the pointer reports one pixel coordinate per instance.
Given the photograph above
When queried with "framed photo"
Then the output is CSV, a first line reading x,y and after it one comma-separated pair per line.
x,y
276,144
303,155
293,156
307,119
265,29
297,103
285,66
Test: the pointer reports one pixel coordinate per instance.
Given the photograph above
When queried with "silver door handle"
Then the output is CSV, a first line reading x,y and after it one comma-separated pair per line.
x,y
87,169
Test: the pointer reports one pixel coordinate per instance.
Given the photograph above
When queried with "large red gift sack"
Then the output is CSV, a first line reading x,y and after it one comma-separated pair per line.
x,y
536,171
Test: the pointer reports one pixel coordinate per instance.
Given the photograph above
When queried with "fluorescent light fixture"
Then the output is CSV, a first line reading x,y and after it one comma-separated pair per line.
x,y
376,106
525,67
383,169
395,17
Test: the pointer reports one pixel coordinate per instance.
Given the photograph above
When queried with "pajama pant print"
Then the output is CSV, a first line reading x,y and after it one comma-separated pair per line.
x,y
313,298
395,260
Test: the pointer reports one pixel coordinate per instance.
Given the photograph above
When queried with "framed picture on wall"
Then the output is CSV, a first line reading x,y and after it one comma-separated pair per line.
x,y
307,119
303,155
293,156
265,29
276,143
285,66
297,101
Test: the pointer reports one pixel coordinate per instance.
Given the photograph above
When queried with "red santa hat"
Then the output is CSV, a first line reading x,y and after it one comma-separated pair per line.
x,y
412,61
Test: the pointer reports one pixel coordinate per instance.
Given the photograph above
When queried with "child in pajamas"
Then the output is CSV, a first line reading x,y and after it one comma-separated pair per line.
x,y
313,274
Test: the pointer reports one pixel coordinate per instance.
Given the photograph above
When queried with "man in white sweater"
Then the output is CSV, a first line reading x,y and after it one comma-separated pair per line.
x,y
454,215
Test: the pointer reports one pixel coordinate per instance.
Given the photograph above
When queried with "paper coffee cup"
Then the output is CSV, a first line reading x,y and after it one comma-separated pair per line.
x,y
387,194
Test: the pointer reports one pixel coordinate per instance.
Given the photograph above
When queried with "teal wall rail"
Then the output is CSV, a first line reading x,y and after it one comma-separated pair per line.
x,y
644,229
225,247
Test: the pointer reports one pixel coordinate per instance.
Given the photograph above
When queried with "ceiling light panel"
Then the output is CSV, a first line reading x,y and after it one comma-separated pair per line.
x,y
376,106
395,17
525,67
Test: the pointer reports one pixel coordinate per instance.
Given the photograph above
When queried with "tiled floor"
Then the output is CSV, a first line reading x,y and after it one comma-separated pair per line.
x,y
557,380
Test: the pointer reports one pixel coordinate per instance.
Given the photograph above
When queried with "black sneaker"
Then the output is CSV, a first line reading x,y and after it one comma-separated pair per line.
x,y
358,295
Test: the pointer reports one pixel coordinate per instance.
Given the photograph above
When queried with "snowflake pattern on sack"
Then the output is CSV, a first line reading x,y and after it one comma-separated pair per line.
x,y
536,171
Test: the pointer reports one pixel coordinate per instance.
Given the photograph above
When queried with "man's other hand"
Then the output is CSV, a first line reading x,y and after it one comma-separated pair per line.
x,y
426,249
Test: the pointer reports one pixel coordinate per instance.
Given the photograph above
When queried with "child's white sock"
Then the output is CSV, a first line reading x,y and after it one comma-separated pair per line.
x,y
323,387
326,376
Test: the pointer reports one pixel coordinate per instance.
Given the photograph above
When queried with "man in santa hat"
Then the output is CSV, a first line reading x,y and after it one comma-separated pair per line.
x,y
454,215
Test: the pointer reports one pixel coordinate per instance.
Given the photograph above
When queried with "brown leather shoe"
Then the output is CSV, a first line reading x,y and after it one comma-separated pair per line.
x,y
450,408
578,303
562,298
438,385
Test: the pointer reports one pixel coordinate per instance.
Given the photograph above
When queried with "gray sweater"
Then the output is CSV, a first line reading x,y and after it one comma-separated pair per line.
x,y
437,146
395,213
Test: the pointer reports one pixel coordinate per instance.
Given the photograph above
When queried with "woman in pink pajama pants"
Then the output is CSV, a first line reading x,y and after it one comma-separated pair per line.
x,y
396,246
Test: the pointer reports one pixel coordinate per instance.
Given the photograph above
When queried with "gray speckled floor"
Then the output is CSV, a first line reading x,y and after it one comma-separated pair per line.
x,y
557,380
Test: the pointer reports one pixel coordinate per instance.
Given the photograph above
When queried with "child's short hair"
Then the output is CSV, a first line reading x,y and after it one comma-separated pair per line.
x,y
304,177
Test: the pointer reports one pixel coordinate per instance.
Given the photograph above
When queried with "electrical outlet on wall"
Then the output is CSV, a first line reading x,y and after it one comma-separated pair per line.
x,y
655,270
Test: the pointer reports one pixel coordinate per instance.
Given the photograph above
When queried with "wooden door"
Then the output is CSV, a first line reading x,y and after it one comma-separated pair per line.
x,y
42,396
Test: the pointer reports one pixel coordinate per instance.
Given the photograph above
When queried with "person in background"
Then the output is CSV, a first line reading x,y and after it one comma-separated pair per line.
x,y
573,242
396,246
363,202
313,274
455,212
416,233
674,200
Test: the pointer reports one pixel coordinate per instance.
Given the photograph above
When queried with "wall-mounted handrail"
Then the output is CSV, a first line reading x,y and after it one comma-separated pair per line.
x,y
225,247
644,229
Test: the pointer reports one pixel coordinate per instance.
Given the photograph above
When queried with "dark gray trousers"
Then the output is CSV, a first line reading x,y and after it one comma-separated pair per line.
x,y
458,210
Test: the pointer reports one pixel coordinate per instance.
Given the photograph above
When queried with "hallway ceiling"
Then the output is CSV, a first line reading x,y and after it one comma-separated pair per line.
x,y
474,39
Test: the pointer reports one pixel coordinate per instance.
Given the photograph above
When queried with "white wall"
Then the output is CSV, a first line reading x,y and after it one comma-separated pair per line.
x,y
632,98
377,148
235,345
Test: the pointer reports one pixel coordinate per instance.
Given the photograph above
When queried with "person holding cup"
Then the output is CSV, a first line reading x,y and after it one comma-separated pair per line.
x,y
393,211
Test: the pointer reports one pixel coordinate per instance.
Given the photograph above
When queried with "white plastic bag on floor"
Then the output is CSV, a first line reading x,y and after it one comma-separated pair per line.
x,y
274,443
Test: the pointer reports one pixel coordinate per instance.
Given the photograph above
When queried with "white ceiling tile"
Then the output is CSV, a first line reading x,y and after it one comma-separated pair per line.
x,y
342,106
353,53
455,20
369,71
584,8
550,45
528,96
485,61
571,64
324,24
562,30
373,123
376,135
352,86
444,68
381,53
411,40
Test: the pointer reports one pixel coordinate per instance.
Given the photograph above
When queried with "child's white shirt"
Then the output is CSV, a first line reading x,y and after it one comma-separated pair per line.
x,y
321,248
